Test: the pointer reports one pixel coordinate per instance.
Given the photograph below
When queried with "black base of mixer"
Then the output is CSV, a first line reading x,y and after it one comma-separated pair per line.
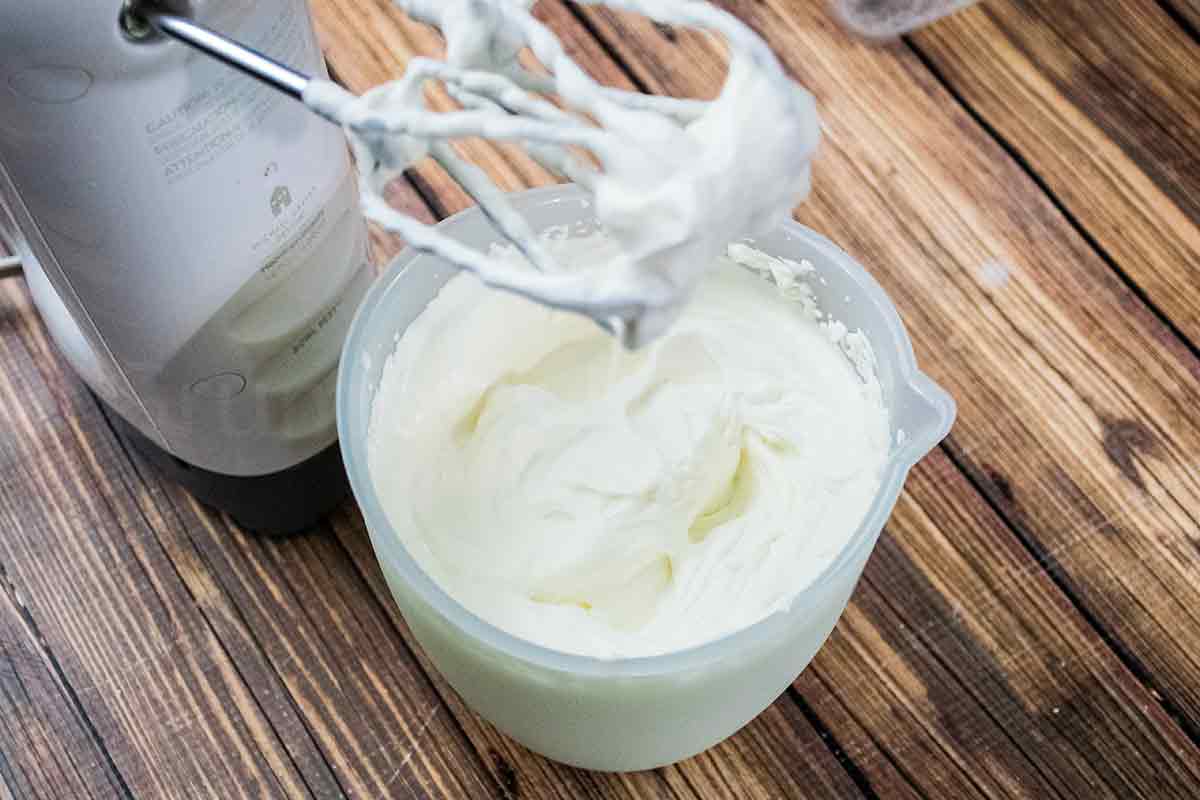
x,y
278,504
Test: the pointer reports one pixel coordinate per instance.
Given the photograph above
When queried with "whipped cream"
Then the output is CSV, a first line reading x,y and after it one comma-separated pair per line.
x,y
613,503
679,180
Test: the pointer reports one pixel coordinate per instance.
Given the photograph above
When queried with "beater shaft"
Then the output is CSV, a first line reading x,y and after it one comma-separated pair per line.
x,y
235,54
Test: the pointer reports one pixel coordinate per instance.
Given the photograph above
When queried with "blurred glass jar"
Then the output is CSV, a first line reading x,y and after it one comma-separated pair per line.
x,y
886,19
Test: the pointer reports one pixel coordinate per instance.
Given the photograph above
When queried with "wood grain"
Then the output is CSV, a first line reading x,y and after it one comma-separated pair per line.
x,y
996,677
158,686
47,747
336,673
1187,12
1100,100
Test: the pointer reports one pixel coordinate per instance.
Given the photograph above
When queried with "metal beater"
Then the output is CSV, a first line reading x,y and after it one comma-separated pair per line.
x,y
500,99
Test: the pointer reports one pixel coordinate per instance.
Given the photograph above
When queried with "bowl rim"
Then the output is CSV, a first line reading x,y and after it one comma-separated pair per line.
x,y
401,563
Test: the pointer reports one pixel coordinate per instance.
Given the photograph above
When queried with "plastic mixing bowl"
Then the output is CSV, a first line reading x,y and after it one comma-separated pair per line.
x,y
636,713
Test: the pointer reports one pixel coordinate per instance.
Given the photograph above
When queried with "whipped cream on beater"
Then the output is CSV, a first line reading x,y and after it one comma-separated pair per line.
x,y
678,181
614,503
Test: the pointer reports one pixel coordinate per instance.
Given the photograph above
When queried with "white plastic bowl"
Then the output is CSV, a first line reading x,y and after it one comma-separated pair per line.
x,y
637,713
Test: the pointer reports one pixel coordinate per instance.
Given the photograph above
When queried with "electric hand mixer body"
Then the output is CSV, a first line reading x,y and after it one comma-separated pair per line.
x,y
192,240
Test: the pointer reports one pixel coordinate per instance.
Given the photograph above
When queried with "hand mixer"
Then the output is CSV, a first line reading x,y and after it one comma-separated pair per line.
x,y
661,159
193,239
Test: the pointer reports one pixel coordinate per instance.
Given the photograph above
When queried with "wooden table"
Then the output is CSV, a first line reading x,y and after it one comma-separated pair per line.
x,y
1024,180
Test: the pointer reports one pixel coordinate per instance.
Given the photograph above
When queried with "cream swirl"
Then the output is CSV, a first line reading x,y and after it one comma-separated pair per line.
x,y
616,503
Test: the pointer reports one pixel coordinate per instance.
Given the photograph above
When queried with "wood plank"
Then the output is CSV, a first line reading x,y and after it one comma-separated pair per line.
x,y
1100,99
867,756
353,686
989,667
1188,12
1014,630
159,687
1080,368
47,748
